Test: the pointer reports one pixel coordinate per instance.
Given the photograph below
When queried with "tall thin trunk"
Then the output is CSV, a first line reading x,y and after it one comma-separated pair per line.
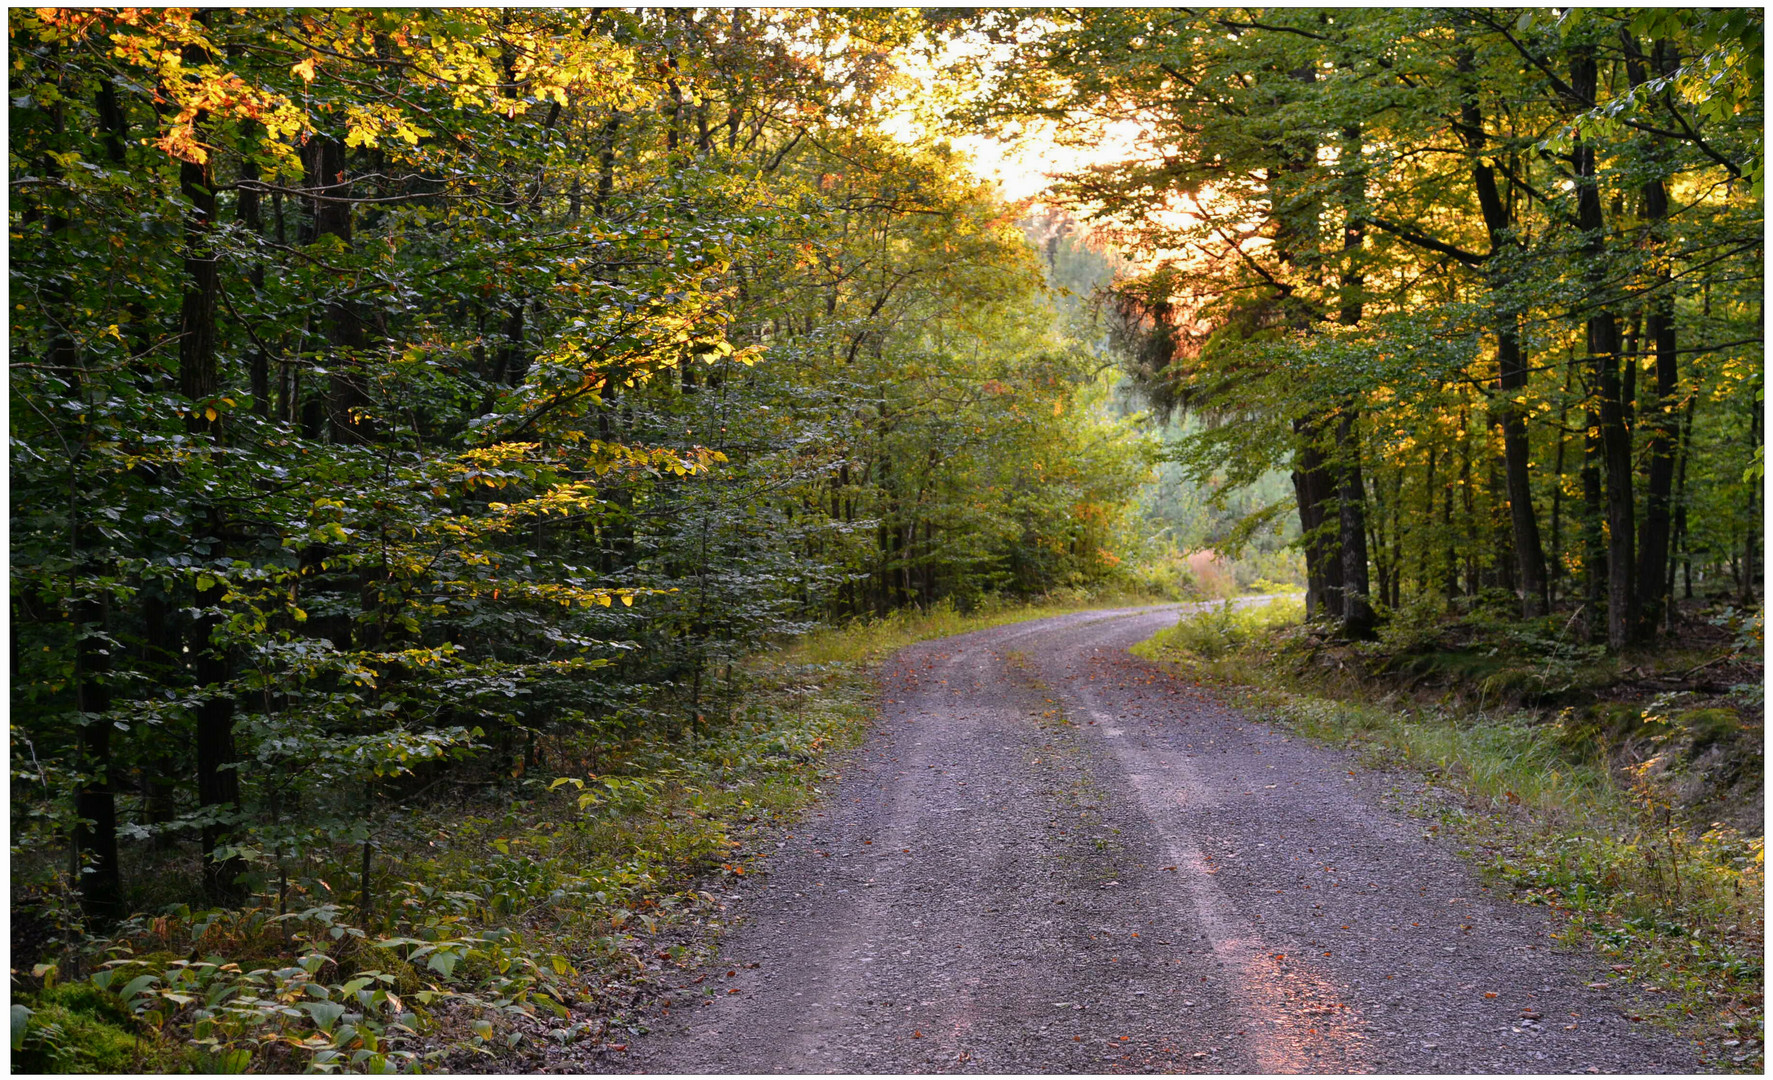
x,y
247,210
1751,546
1422,583
1594,545
94,848
1508,408
95,803
606,162
1358,620
1679,541
323,159
1660,415
1603,350
218,783
1314,490
1450,554
1557,489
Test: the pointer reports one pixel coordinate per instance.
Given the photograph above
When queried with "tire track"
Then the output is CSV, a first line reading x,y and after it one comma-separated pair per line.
x,y
1052,857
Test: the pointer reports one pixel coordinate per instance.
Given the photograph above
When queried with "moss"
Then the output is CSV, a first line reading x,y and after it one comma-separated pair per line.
x,y
1708,727
1588,732
79,1028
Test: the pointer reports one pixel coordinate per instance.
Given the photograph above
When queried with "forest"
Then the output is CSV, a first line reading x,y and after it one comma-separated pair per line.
x,y
425,423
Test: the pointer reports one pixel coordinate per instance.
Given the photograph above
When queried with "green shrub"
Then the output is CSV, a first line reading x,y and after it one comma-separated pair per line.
x,y
1209,632
77,1028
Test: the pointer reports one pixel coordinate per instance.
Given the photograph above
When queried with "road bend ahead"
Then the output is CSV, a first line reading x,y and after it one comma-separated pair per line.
x,y
1053,857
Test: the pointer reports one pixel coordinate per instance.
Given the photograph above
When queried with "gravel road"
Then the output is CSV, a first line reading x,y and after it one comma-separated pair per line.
x,y
1054,857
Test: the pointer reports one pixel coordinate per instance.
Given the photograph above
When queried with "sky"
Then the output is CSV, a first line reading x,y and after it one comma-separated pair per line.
x,y
1021,168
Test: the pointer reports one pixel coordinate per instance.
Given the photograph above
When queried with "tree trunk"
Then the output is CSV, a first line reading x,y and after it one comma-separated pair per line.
x,y
323,160
1507,408
1594,545
95,803
1529,556
218,781
1679,541
1315,492
247,210
1358,620
1603,350
1660,415
218,785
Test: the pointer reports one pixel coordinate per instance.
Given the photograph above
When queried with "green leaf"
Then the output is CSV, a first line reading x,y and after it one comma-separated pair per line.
x,y
136,986
325,1013
21,1023
444,962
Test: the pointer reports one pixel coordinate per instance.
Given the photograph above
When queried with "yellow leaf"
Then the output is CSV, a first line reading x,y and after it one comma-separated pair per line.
x,y
209,413
305,69
627,601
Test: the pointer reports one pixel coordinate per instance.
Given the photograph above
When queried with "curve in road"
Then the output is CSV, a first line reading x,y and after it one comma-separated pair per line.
x,y
1054,857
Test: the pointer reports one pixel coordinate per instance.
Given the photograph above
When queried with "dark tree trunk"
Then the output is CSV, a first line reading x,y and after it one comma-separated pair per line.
x,y
1660,417
218,785
1594,545
1557,488
1422,582
1314,489
248,212
606,162
218,779
1449,550
1511,365
1529,556
323,159
94,838
1358,620
1603,350
199,377
95,803
1679,541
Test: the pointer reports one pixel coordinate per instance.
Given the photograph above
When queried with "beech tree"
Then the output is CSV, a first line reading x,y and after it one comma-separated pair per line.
x,y
406,394
1368,231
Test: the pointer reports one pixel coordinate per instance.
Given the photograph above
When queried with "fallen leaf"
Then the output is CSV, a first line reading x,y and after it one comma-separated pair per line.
x,y
1489,993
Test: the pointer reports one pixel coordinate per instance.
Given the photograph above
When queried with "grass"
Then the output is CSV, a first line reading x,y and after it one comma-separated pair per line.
x,y
870,640
589,879
1674,905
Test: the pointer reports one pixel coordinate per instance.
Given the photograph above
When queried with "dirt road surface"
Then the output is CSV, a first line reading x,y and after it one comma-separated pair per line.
x,y
1054,857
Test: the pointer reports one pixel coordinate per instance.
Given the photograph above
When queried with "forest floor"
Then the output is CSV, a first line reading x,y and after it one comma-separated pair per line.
x,y
1051,856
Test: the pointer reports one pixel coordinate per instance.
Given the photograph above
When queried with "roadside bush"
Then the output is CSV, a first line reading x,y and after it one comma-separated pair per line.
x,y
1209,632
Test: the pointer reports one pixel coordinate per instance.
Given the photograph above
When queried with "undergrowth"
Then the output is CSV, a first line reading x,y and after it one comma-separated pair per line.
x,y
1554,805
500,924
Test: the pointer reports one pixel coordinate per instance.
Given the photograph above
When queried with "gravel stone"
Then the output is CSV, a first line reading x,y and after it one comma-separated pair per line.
x,y
1054,857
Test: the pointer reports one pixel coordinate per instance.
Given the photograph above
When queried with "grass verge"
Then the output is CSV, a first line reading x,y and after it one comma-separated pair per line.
x,y
523,923
1674,905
